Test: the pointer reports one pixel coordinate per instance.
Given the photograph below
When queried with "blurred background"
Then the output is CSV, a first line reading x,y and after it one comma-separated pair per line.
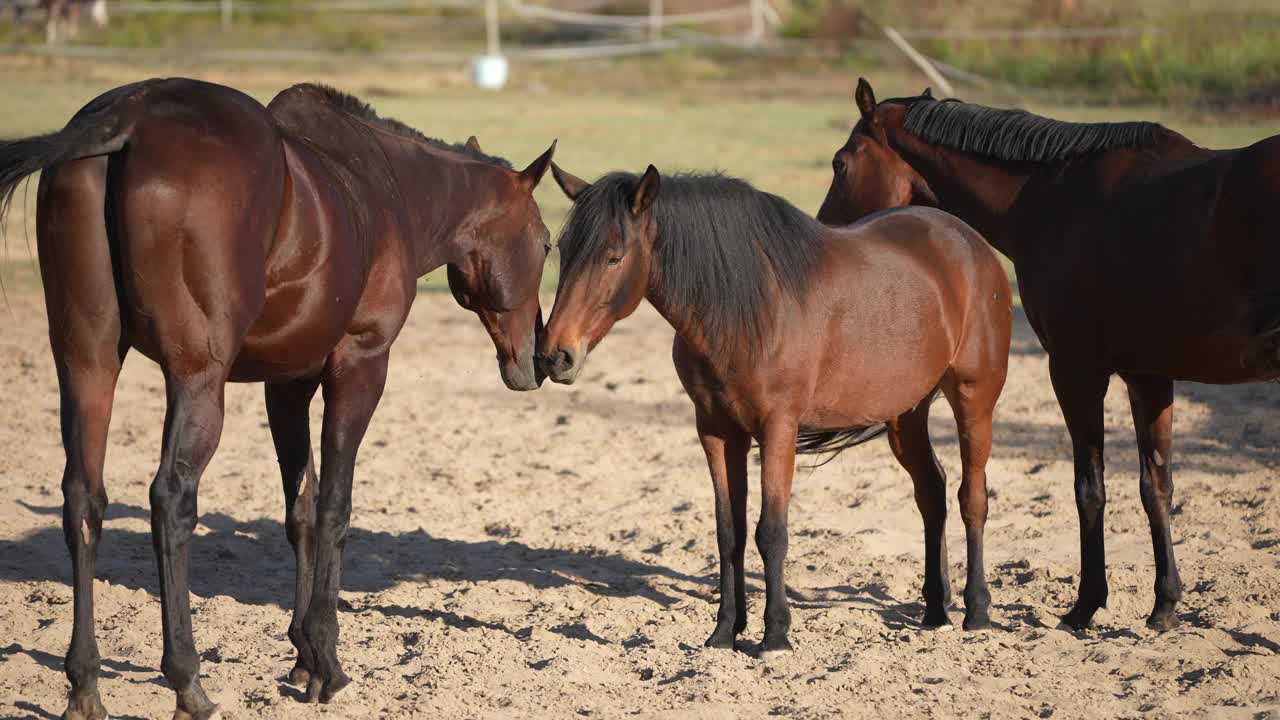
x,y
757,88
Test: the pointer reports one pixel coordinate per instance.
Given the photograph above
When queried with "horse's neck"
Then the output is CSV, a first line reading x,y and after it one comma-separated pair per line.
x,y
967,186
439,196
987,193
684,320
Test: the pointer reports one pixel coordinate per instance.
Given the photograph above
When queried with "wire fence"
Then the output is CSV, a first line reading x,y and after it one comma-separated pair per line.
x,y
749,25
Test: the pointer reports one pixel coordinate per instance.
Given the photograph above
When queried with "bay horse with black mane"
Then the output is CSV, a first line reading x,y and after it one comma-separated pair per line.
x,y
806,338
1138,253
231,242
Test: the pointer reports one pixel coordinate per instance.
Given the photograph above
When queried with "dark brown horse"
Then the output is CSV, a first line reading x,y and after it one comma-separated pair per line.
x,y
231,242
1138,253
803,337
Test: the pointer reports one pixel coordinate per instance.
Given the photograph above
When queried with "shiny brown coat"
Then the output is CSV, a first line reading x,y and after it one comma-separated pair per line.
x,y
231,242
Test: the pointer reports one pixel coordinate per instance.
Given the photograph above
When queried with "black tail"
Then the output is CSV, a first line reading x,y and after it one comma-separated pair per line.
x,y
96,130
820,442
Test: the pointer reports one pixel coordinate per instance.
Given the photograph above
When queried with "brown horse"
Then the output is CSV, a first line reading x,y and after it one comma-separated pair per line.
x,y
1138,253
803,337
231,242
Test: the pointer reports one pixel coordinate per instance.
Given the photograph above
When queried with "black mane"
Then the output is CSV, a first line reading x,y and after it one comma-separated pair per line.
x,y
721,245
1017,135
355,106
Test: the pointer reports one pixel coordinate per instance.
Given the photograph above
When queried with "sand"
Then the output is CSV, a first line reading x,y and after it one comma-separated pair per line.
x,y
552,554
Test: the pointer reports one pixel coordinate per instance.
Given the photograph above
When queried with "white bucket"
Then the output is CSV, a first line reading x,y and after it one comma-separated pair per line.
x,y
489,71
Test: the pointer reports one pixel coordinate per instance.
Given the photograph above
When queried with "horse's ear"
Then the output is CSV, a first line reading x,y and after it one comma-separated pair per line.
x,y
928,93
865,97
921,193
646,192
571,184
473,144
532,175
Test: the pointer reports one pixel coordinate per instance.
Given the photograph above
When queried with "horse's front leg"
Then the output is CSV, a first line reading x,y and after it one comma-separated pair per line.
x,y
288,407
726,447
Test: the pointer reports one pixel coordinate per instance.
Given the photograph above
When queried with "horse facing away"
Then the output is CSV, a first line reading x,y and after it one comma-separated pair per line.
x,y
1138,253
231,242
802,337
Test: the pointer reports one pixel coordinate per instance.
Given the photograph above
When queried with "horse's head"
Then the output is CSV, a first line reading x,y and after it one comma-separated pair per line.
x,y
868,174
500,272
606,250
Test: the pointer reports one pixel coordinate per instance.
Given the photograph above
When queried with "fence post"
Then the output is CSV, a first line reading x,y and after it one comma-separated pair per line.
x,y
493,43
226,14
919,61
757,21
655,20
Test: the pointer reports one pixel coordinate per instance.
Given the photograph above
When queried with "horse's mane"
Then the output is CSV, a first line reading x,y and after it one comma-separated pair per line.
x,y
721,247
1017,135
355,106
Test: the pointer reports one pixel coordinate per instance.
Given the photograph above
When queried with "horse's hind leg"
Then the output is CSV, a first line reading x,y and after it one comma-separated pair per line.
x,y
85,336
350,397
726,448
287,410
192,429
973,401
1151,399
909,440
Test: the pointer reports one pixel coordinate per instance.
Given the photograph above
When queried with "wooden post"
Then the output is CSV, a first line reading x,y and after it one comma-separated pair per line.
x,y
757,22
493,44
655,20
226,14
920,61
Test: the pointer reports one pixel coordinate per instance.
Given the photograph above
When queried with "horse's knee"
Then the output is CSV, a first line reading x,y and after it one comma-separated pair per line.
x,y
1091,494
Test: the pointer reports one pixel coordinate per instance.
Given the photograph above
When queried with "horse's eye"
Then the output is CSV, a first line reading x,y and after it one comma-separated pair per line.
x,y
615,260
837,164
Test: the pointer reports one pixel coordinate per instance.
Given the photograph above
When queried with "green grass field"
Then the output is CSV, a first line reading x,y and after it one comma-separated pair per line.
x,y
774,124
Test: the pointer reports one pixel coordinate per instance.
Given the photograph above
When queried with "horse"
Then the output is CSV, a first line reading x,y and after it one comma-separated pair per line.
x,y
1138,253
805,338
63,17
232,242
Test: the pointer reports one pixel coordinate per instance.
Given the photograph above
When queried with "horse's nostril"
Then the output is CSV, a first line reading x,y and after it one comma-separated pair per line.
x,y
562,359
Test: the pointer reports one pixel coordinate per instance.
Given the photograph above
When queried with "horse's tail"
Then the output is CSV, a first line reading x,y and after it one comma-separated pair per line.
x,y
99,129
820,442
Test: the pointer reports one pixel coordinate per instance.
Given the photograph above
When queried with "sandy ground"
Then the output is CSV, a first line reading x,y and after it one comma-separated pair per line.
x,y
552,554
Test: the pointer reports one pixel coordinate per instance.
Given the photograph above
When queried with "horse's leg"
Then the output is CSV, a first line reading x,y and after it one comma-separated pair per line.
x,y
1080,394
726,447
778,446
87,389
1151,399
909,440
287,411
973,402
192,429
86,340
350,397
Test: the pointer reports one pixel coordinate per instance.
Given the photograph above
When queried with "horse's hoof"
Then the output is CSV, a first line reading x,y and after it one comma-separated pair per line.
x,y
978,621
772,649
1079,618
935,619
299,676
314,686
720,639
85,708
335,685
210,713
1162,621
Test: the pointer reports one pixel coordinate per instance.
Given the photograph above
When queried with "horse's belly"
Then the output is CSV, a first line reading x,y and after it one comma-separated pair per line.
x,y
874,392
